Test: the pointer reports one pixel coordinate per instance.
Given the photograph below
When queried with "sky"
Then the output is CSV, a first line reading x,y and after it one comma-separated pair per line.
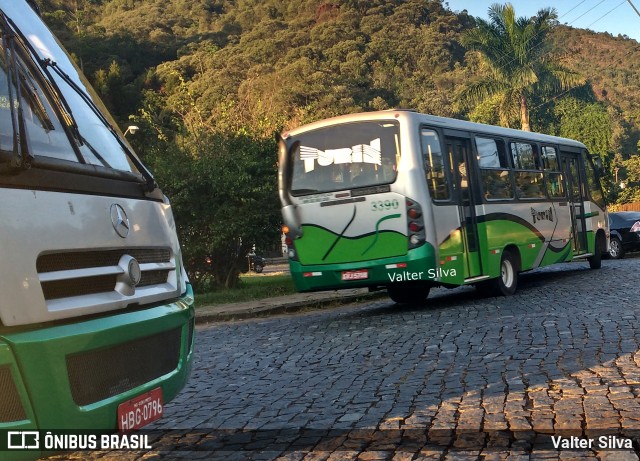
x,y
613,16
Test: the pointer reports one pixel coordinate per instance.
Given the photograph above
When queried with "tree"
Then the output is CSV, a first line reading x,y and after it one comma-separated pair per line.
x,y
517,62
224,198
200,73
588,122
631,184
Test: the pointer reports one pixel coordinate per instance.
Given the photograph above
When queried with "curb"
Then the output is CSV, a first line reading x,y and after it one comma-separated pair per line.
x,y
230,312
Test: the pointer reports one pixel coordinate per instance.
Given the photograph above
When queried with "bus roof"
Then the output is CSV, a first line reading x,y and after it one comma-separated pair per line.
x,y
443,122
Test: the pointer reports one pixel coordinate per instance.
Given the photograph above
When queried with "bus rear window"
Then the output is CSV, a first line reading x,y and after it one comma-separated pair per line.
x,y
346,157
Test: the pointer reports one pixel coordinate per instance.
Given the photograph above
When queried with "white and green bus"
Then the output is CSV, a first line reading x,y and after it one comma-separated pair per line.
x,y
407,201
96,311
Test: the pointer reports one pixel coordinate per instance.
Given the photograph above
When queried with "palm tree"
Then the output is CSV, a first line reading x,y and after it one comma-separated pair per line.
x,y
516,54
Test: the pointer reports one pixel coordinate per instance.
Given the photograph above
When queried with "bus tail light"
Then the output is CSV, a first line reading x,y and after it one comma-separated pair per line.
x,y
413,227
288,241
415,224
413,213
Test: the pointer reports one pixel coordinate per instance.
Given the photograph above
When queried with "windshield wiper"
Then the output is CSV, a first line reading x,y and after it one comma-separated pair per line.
x,y
149,180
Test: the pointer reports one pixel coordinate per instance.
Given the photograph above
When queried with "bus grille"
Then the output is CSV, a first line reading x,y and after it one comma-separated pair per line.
x,y
51,262
80,273
11,408
78,287
103,373
153,278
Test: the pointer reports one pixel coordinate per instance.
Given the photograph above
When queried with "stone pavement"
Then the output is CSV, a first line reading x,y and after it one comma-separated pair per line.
x,y
281,304
542,375
461,377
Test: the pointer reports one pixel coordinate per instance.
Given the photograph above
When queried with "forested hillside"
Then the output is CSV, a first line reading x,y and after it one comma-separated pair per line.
x,y
612,66
198,73
264,65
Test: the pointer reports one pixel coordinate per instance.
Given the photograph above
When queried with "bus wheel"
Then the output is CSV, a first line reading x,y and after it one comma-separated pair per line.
x,y
595,261
408,293
507,283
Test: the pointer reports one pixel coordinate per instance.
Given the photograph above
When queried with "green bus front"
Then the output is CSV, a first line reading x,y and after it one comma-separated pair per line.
x,y
96,310
82,376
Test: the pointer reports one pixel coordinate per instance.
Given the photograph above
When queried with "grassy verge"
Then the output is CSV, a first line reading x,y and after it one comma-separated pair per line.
x,y
252,286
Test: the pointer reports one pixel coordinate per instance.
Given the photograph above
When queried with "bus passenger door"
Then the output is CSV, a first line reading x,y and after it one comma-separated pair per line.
x,y
572,169
459,152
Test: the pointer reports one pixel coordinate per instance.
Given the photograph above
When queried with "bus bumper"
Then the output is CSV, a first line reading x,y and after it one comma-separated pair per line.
x,y
74,376
417,264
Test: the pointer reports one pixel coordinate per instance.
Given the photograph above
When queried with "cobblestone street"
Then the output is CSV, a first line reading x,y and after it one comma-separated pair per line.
x,y
461,377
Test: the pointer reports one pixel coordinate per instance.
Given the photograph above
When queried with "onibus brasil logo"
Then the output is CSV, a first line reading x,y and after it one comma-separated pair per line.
x,y
66,440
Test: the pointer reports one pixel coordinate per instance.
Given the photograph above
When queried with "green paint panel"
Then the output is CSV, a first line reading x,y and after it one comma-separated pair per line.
x,y
553,257
314,246
591,242
41,357
503,232
452,245
500,233
418,260
28,423
452,262
493,234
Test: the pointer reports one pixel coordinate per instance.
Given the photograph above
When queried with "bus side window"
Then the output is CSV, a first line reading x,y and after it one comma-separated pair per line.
x,y
595,190
553,176
494,169
528,175
434,162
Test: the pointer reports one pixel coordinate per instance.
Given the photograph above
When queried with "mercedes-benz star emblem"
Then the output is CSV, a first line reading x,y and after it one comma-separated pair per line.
x,y
119,220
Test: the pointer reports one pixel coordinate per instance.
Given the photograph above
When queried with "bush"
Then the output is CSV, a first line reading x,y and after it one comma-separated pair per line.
x,y
225,201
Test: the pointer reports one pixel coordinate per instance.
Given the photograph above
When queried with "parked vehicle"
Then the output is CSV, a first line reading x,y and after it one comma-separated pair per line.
x,y
625,233
96,315
254,263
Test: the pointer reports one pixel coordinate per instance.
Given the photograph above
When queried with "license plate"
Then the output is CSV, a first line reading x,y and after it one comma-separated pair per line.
x,y
140,411
361,274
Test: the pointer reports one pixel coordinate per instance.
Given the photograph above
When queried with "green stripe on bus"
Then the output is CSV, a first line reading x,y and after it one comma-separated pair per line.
x,y
313,246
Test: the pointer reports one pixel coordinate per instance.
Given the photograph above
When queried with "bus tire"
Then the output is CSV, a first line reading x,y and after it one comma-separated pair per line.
x,y
408,293
595,261
507,282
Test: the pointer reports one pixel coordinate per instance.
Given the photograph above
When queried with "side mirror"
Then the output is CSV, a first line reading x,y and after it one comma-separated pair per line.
x,y
597,161
290,213
598,165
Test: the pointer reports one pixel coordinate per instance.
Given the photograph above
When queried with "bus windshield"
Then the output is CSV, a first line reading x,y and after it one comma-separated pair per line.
x,y
345,157
99,145
98,139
